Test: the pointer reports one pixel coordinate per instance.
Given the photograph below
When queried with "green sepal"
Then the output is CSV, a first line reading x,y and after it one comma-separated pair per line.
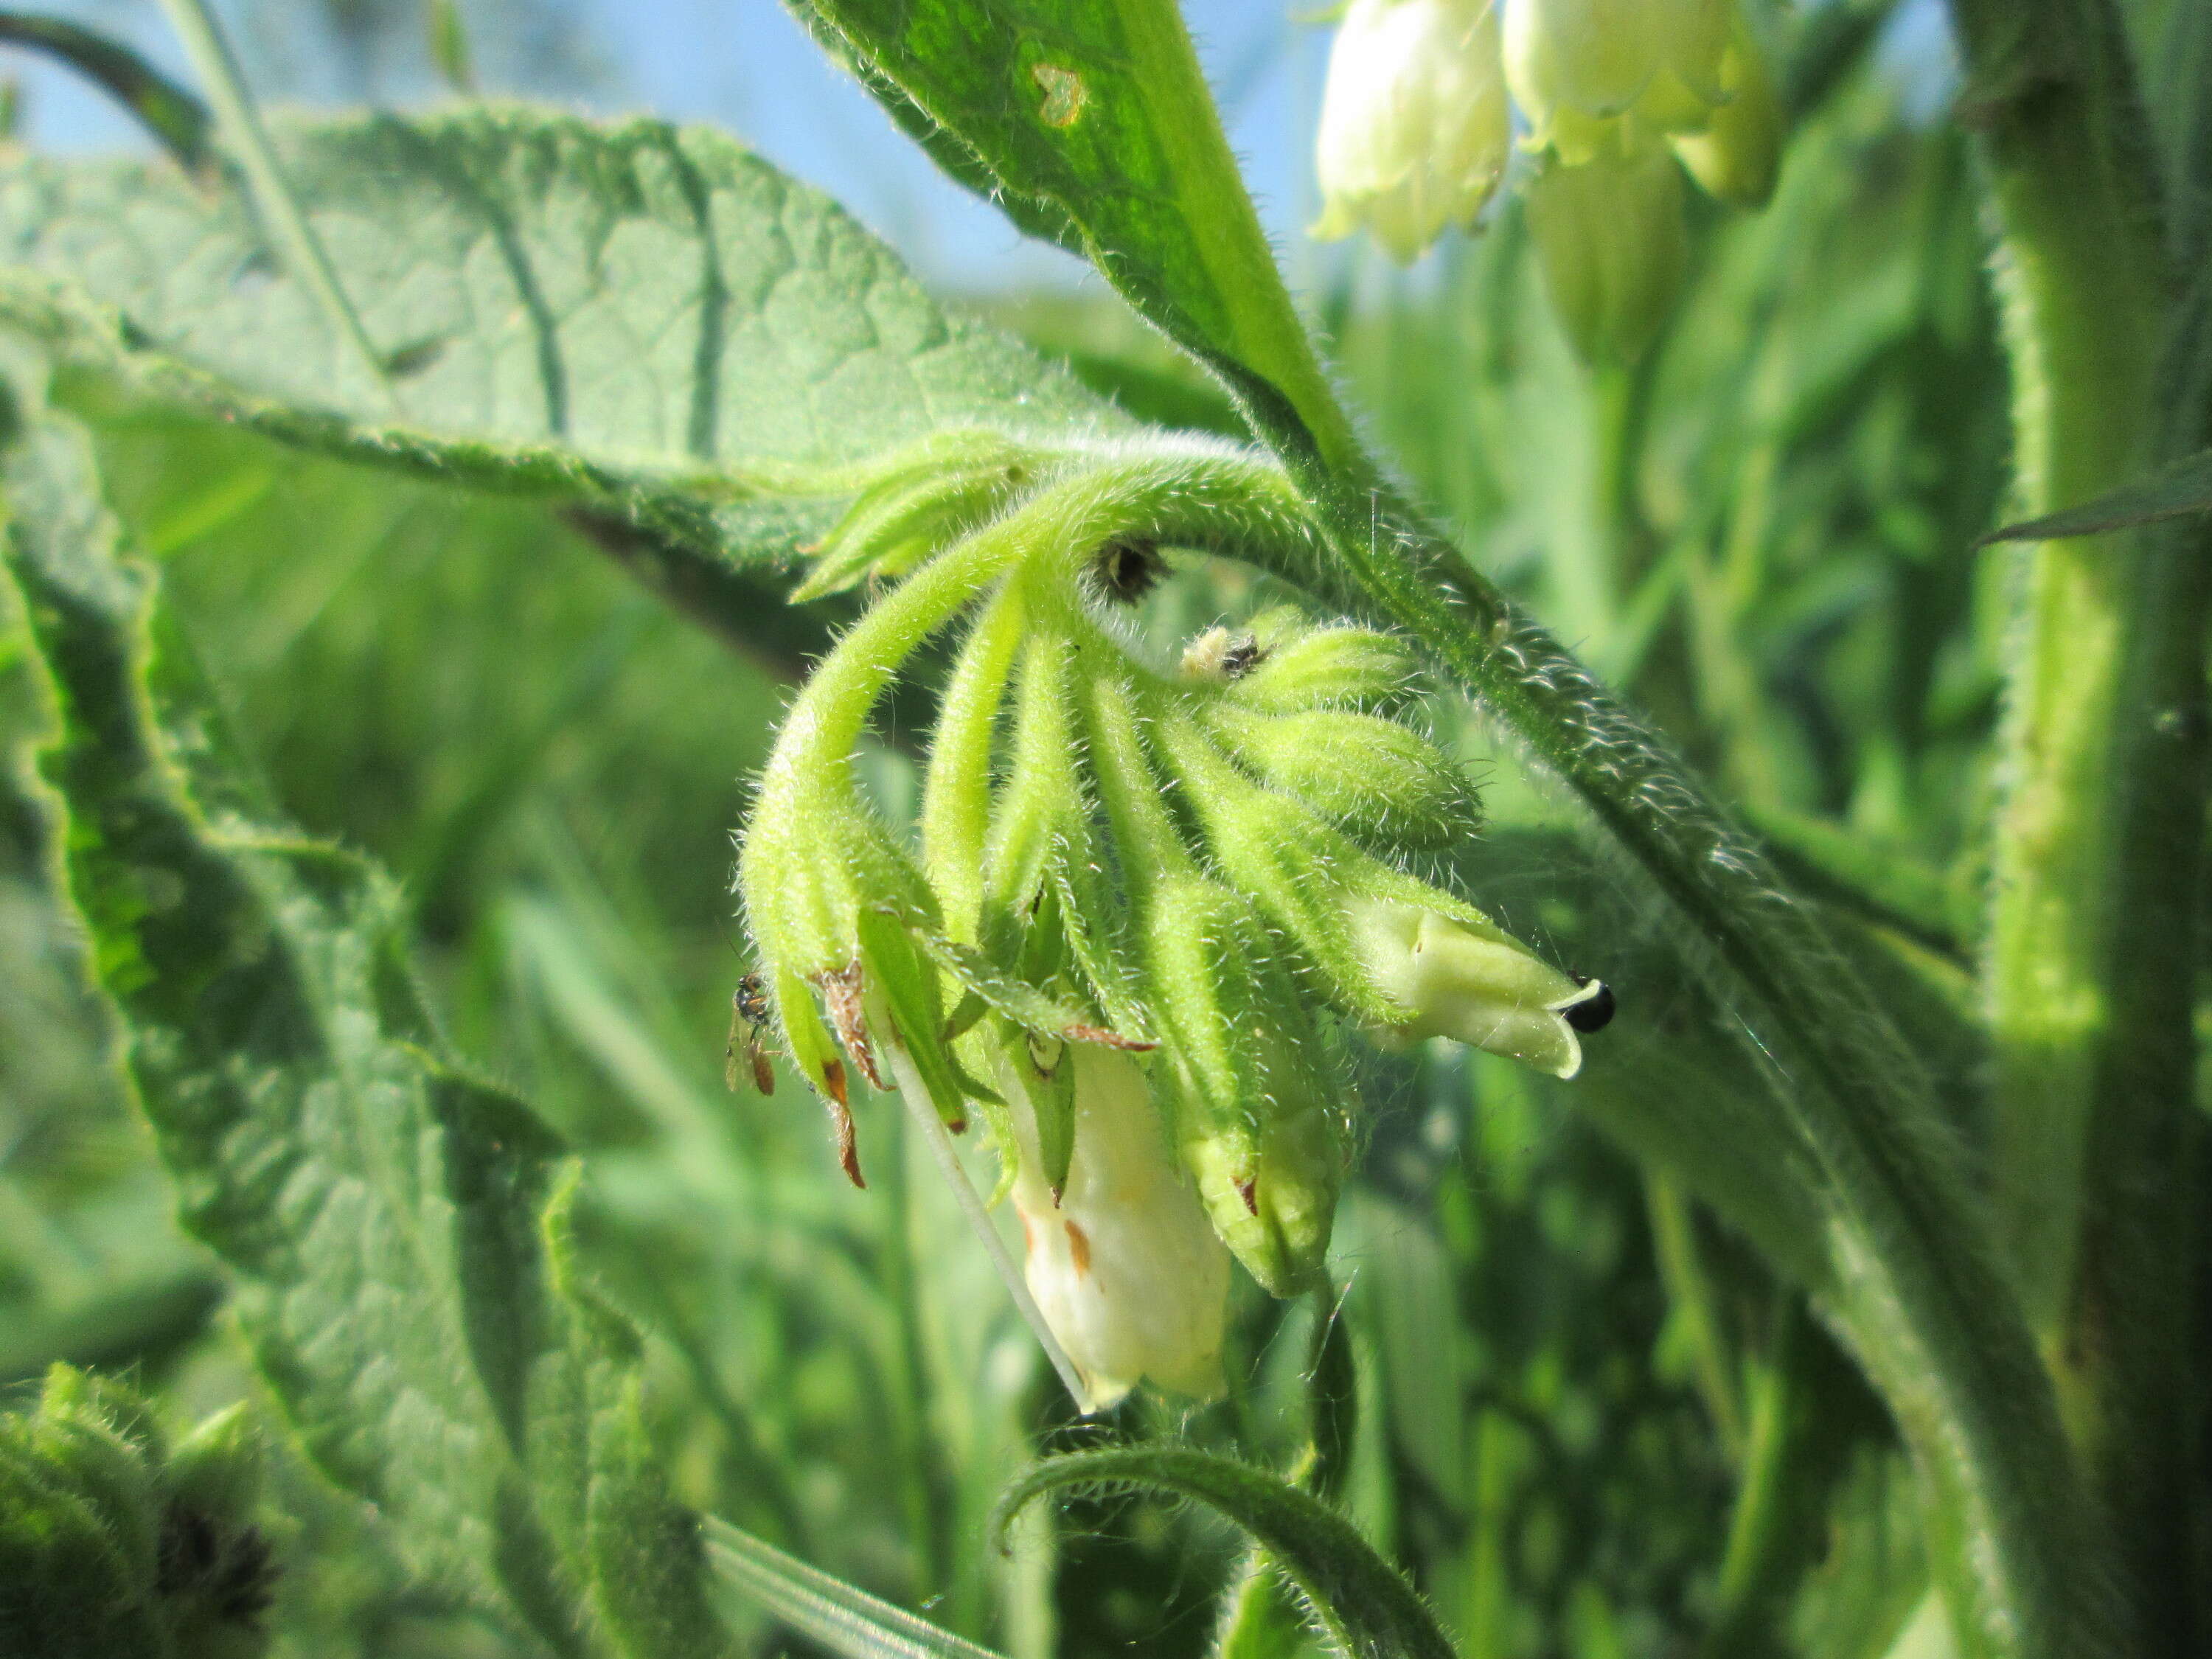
x,y
1023,1003
897,980
1372,777
1047,1069
1290,863
962,1020
1092,926
1299,666
1256,1118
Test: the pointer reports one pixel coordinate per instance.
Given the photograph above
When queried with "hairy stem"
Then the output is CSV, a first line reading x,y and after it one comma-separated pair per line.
x,y
2090,974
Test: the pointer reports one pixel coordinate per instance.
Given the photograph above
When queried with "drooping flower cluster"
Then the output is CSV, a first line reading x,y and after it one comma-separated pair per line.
x,y
1416,130
1149,900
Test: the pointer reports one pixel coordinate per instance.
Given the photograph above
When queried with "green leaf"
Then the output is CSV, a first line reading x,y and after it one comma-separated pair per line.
x,y
639,319
1088,121
2174,491
398,1231
848,1622
1362,1604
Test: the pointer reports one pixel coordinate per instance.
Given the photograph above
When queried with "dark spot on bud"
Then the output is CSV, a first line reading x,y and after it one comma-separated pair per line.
x,y
1592,1013
232,1572
1127,568
247,1584
1249,1192
1078,1248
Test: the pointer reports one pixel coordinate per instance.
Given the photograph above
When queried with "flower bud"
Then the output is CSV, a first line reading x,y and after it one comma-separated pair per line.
x,y
1292,666
1609,235
1257,1119
1270,1191
1371,776
1415,126
1123,1265
1462,978
1736,157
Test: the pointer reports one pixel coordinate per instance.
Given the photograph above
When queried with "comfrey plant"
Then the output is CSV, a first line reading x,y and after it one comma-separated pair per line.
x,y
1149,900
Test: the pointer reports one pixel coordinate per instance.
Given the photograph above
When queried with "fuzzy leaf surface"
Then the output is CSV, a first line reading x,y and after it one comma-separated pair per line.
x,y
397,1231
637,315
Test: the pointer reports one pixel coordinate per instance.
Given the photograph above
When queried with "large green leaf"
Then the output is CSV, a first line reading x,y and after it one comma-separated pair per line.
x,y
648,318
1089,122
398,1231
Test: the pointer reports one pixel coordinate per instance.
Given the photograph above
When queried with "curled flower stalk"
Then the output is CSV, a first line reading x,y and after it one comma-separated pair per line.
x,y
1150,906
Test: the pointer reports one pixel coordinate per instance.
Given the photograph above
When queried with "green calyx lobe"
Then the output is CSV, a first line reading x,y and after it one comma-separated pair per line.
x,y
1184,864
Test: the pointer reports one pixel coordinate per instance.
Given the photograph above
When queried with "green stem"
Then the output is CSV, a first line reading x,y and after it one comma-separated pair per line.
x,y
1690,1289
1754,1552
831,710
1917,1285
2090,972
241,124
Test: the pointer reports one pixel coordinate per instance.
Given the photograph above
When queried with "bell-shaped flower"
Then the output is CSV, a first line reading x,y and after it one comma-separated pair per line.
x,y
1738,153
1123,1264
1415,122
1570,62
1462,978
1609,237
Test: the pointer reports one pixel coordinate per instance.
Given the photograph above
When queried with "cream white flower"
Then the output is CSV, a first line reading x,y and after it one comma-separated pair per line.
x,y
1415,123
1476,984
1570,61
1125,1267
1737,153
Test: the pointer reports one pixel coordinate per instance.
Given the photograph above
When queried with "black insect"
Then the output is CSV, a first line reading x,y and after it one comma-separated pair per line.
x,y
1592,1013
749,1009
1244,654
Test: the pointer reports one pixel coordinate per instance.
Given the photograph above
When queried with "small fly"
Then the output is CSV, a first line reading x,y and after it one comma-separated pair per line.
x,y
749,1009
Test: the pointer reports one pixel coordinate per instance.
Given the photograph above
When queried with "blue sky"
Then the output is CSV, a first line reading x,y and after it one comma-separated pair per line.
x,y
745,65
